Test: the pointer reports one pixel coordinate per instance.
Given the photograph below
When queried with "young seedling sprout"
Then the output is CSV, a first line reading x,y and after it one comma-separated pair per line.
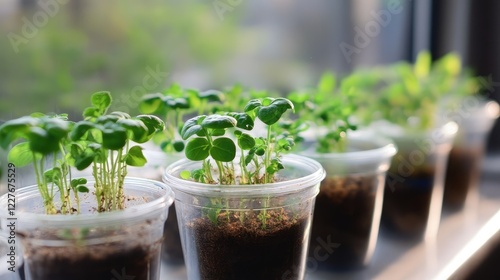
x,y
259,156
103,141
208,140
172,105
329,109
412,93
43,140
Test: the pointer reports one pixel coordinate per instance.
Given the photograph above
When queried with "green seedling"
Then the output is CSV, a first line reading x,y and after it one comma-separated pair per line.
x,y
330,108
103,142
218,139
172,105
42,140
53,145
412,93
208,141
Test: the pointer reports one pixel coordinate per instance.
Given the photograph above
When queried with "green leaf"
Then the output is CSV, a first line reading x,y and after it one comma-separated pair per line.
x,y
14,129
53,175
218,122
450,64
283,103
80,129
423,64
136,129
38,115
83,160
327,83
178,146
252,104
42,142
90,113
101,101
78,181
21,155
246,142
57,128
185,174
153,123
211,95
249,157
151,103
114,137
120,115
243,120
108,119
135,157
217,132
223,149
82,189
192,126
197,149
272,113
198,175
176,103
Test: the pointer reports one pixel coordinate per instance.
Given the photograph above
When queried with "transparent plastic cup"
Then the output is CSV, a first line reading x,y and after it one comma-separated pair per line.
x,y
414,184
349,204
247,231
92,245
475,118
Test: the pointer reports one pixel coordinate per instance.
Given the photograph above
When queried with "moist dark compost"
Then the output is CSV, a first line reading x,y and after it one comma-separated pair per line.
x,y
235,250
462,176
343,214
407,203
113,260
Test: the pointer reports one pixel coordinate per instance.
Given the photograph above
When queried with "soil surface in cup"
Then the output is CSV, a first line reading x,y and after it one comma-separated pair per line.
x,y
93,262
407,203
232,250
172,246
343,216
462,175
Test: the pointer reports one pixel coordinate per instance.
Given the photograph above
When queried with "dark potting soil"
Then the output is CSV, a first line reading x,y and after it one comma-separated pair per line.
x,y
232,250
112,261
462,175
172,247
407,203
343,215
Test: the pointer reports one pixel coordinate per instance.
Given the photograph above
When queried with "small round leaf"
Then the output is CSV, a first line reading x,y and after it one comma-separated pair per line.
x,y
135,157
197,149
223,149
246,142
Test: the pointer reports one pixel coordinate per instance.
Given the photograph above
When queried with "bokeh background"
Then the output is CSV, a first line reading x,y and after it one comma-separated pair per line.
x,y
55,53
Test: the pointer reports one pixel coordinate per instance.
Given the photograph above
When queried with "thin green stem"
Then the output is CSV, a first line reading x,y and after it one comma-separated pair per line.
x,y
267,159
244,172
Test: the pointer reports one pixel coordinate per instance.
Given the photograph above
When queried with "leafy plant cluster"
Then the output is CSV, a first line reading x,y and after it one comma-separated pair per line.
x,y
101,141
172,105
329,108
219,138
410,94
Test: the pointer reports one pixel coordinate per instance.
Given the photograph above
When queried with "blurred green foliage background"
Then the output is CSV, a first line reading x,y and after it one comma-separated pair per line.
x,y
93,45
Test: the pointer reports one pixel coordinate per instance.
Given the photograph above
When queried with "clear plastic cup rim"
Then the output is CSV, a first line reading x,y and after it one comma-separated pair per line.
x,y
131,213
314,175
